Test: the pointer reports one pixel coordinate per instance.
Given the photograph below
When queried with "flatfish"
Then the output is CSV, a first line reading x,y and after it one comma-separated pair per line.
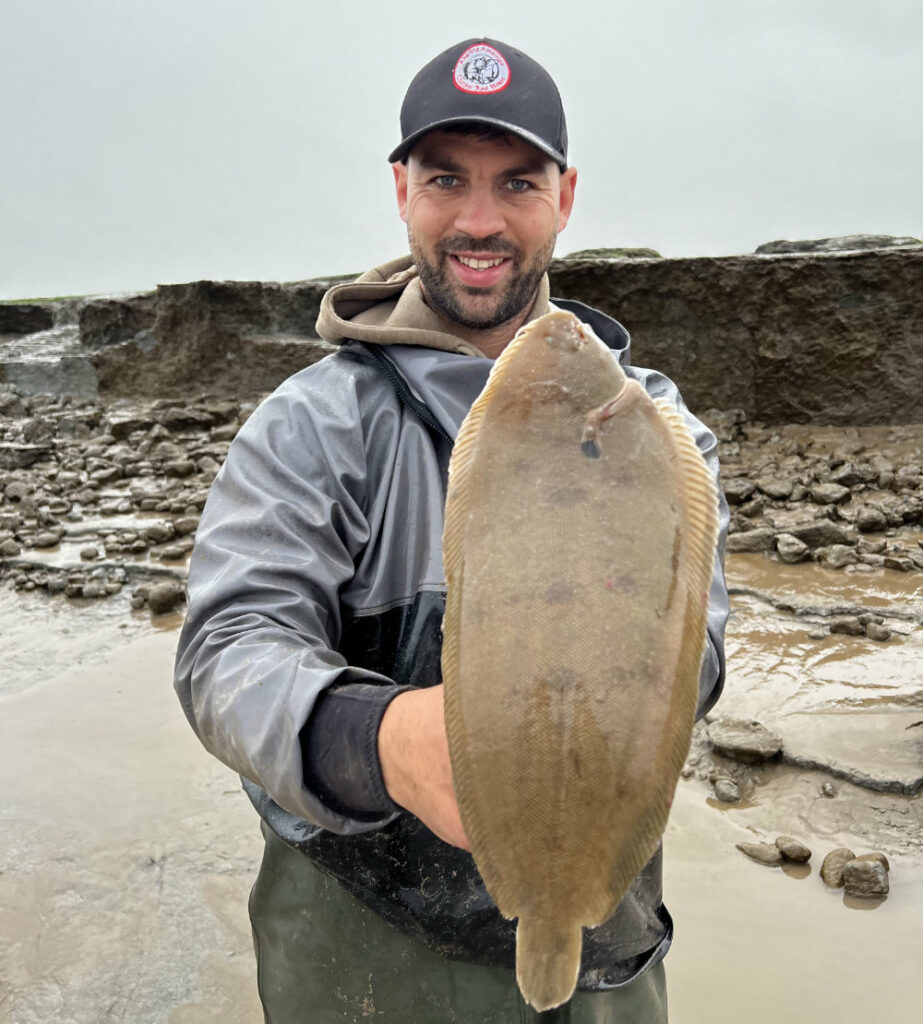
x,y
580,532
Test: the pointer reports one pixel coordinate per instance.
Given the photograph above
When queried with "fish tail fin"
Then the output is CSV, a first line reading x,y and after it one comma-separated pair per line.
x,y
547,961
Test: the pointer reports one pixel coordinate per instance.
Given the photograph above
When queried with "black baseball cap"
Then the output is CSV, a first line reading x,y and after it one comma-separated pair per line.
x,y
488,82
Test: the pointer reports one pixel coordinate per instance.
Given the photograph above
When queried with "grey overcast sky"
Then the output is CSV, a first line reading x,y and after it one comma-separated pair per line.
x,y
147,142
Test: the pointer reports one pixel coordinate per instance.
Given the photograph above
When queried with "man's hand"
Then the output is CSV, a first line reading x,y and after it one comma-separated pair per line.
x,y
414,755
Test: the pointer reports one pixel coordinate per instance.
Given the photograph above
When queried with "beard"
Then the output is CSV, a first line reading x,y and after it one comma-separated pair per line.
x,y
451,298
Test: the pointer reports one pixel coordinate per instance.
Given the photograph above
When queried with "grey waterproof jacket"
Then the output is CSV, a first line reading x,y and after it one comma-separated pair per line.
x,y
316,592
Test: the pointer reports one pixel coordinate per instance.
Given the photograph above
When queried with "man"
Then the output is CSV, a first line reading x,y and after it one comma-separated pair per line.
x,y
309,660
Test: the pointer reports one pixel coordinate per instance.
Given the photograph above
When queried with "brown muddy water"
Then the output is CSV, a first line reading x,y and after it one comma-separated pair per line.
x,y
126,852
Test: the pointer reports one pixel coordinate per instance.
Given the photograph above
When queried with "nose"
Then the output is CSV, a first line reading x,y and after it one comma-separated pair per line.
x,y
480,213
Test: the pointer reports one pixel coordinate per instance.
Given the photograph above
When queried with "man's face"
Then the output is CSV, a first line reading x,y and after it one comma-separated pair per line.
x,y
482,218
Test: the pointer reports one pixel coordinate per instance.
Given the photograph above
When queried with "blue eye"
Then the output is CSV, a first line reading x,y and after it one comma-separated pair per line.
x,y
446,180
520,185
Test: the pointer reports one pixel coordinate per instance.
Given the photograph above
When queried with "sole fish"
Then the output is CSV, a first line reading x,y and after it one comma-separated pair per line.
x,y
580,532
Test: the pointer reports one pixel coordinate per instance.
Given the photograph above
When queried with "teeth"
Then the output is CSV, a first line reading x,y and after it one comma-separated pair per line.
x,y
479,264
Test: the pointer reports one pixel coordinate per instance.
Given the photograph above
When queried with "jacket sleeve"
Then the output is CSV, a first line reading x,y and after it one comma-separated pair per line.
x,y
277,540
711,677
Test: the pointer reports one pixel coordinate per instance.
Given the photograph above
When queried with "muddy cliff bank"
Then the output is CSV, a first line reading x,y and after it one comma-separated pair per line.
x,y
829,337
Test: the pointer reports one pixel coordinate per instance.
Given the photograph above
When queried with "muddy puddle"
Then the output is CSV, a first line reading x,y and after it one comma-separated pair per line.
x,y
126,852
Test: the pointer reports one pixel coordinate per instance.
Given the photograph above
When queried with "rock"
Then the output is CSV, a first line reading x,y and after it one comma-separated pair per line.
x,y
839,244
17,490
9,549
874,631
627,253
760,539
829,494
726,791
900,563
848,625
791,549
172,552
21,456
94,588
185,419
871,519
764,853
158,533
37,431
778,488
831,871
224,433
89,553
25,318
828,790
878,858
836,556
820,533
185,525
872,547
121,424
865,878
818,634
737,489
45,539
163,597
793,850
179,467
748,742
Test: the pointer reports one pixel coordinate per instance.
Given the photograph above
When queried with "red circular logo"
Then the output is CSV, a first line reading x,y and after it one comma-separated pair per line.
x,y
481,69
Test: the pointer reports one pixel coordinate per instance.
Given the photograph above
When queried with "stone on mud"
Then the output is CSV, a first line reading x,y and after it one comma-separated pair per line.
x,y
831,871
763,853
726,791
745,741
871,519
820,533
865,878
836,556
759,539
829,494
737,490
791,549
793,850
848,625
876,631
164,597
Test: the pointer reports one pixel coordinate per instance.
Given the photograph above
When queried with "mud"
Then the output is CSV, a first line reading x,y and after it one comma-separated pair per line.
x,y
126,852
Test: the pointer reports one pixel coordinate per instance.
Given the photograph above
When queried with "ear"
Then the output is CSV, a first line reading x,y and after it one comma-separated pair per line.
x,y
568,184
400,184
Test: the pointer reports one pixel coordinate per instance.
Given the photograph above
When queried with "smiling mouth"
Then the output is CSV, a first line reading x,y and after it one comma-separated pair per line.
x,y
477,263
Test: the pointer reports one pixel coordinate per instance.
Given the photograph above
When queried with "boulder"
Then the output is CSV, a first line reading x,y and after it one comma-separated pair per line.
x,y
819,533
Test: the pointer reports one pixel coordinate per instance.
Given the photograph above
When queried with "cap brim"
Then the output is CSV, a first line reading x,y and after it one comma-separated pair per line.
x,y
400,153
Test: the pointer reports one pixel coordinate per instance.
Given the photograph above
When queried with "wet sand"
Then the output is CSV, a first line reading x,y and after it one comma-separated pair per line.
x,y
126,852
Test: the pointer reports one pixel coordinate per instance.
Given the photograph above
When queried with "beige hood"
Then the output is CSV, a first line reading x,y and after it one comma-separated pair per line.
x,y
386,306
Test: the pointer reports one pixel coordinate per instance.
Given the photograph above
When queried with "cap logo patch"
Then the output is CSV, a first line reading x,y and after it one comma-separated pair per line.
x,y
481,69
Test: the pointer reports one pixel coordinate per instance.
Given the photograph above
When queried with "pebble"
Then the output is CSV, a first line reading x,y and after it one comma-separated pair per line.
x,y
726,791
9,549
831,871
89,553
45,539
764,853
828,790
172,552
874,631
793,850
849,625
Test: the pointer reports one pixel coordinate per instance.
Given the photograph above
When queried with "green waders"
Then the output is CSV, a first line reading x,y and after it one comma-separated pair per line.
x,y
324,957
